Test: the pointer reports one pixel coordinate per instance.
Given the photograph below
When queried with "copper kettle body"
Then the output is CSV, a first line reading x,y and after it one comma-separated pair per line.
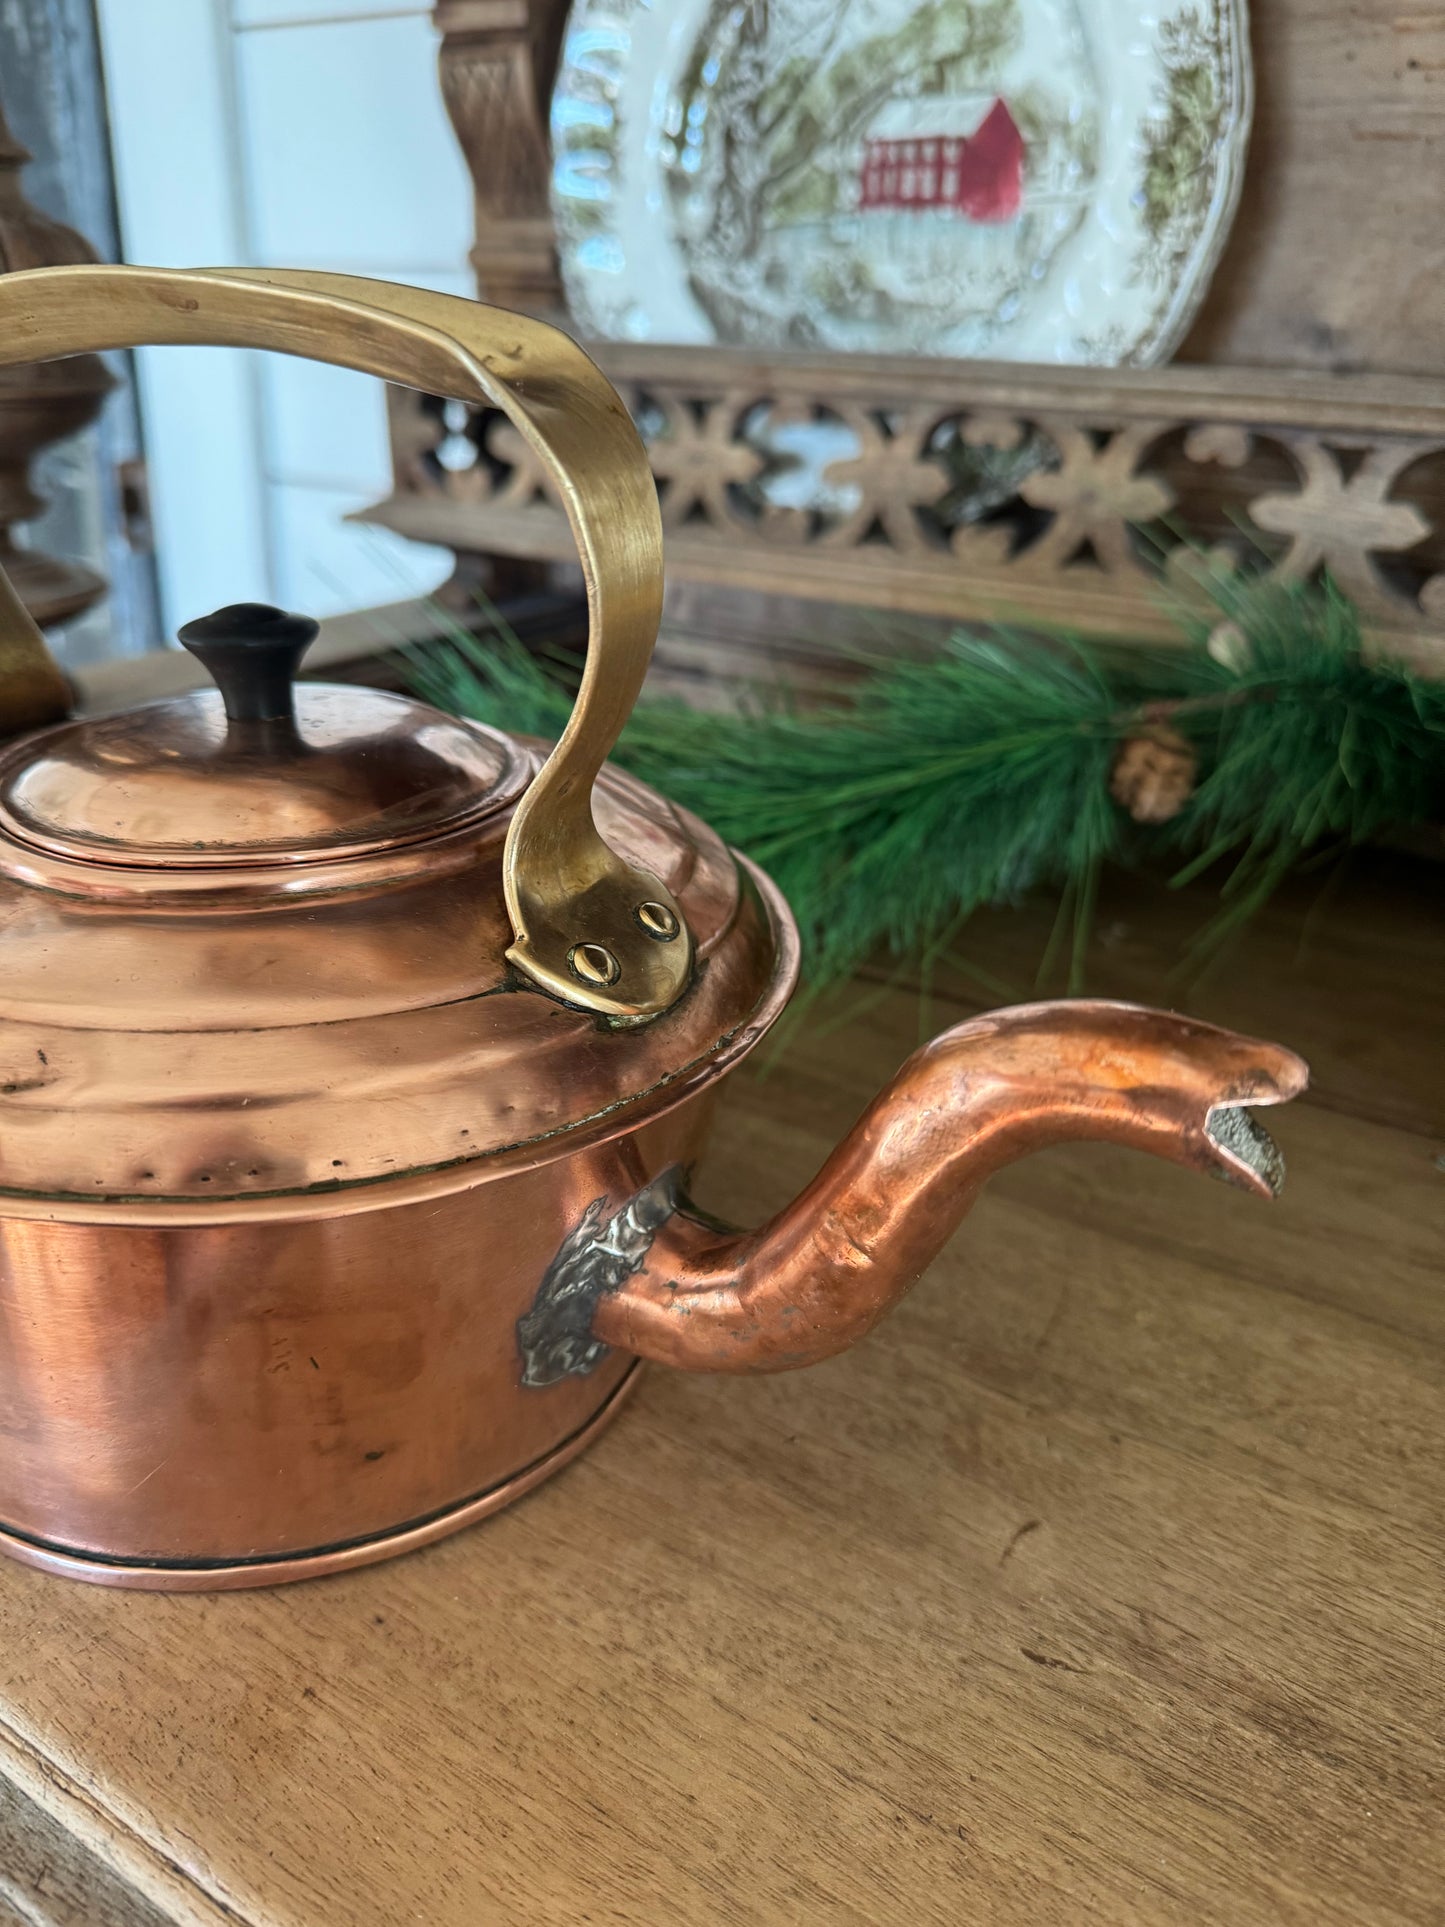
x,y
352,1057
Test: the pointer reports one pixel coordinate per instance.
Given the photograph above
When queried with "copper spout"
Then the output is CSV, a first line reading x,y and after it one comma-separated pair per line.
x,y
829,1266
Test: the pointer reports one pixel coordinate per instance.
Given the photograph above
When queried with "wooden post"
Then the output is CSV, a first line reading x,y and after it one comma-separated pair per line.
x,y
497,62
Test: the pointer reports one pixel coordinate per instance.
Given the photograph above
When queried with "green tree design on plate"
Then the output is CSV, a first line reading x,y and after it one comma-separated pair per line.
x,y
1180,144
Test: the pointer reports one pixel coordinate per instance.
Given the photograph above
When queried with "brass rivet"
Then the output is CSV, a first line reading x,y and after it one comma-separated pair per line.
x,y
658,921
592,964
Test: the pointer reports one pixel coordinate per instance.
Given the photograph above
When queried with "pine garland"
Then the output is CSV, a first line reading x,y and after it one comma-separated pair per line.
x,y
1010,763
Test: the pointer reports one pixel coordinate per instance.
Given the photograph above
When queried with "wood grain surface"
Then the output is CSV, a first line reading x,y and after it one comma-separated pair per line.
x,y
1103,1584
49,1879
1337,257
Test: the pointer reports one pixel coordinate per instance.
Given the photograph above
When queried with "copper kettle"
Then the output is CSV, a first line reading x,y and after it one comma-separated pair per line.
x,y
352,1058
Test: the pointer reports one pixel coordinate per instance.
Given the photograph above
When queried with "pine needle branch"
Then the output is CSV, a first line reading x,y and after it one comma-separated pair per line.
x,y
974,777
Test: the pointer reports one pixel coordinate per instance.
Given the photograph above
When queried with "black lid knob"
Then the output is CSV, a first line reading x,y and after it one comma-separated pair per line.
x,y
252,653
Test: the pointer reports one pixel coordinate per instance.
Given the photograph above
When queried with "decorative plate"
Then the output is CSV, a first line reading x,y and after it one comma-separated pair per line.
x,y
1025,180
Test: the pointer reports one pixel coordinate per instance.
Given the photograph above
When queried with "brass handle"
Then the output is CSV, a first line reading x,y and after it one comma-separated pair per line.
x,y
588,926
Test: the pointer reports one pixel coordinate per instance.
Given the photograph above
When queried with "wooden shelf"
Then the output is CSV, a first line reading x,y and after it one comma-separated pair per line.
x,y
1101,1584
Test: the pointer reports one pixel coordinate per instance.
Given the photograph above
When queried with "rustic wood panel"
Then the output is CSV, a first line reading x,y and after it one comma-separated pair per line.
x,y
1101,1585
1337,258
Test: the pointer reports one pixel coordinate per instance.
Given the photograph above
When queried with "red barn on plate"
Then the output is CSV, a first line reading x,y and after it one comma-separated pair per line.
x,y
943,155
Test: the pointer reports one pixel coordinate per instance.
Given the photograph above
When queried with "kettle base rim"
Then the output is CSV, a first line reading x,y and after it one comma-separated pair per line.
x,y
153,1575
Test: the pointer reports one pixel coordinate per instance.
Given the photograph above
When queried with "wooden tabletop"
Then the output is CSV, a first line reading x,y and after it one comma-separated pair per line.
x,y
1105,1583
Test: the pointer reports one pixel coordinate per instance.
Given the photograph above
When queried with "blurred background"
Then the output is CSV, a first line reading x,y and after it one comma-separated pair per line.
x,y
1277,173
181,133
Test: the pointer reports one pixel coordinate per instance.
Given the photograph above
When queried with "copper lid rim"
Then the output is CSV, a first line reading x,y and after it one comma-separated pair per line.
x,y
320,843
223,887
349,1197
248,859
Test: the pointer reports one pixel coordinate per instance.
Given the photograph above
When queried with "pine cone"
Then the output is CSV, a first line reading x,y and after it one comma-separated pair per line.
x,y
1153,773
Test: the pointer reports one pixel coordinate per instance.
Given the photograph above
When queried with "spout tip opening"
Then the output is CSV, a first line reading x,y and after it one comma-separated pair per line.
x,y
1246,1154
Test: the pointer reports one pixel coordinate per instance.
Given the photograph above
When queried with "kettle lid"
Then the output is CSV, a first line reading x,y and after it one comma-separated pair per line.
x,y
256,770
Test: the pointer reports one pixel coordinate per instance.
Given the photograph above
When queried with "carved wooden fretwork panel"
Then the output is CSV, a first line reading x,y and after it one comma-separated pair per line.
x,y
968,492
